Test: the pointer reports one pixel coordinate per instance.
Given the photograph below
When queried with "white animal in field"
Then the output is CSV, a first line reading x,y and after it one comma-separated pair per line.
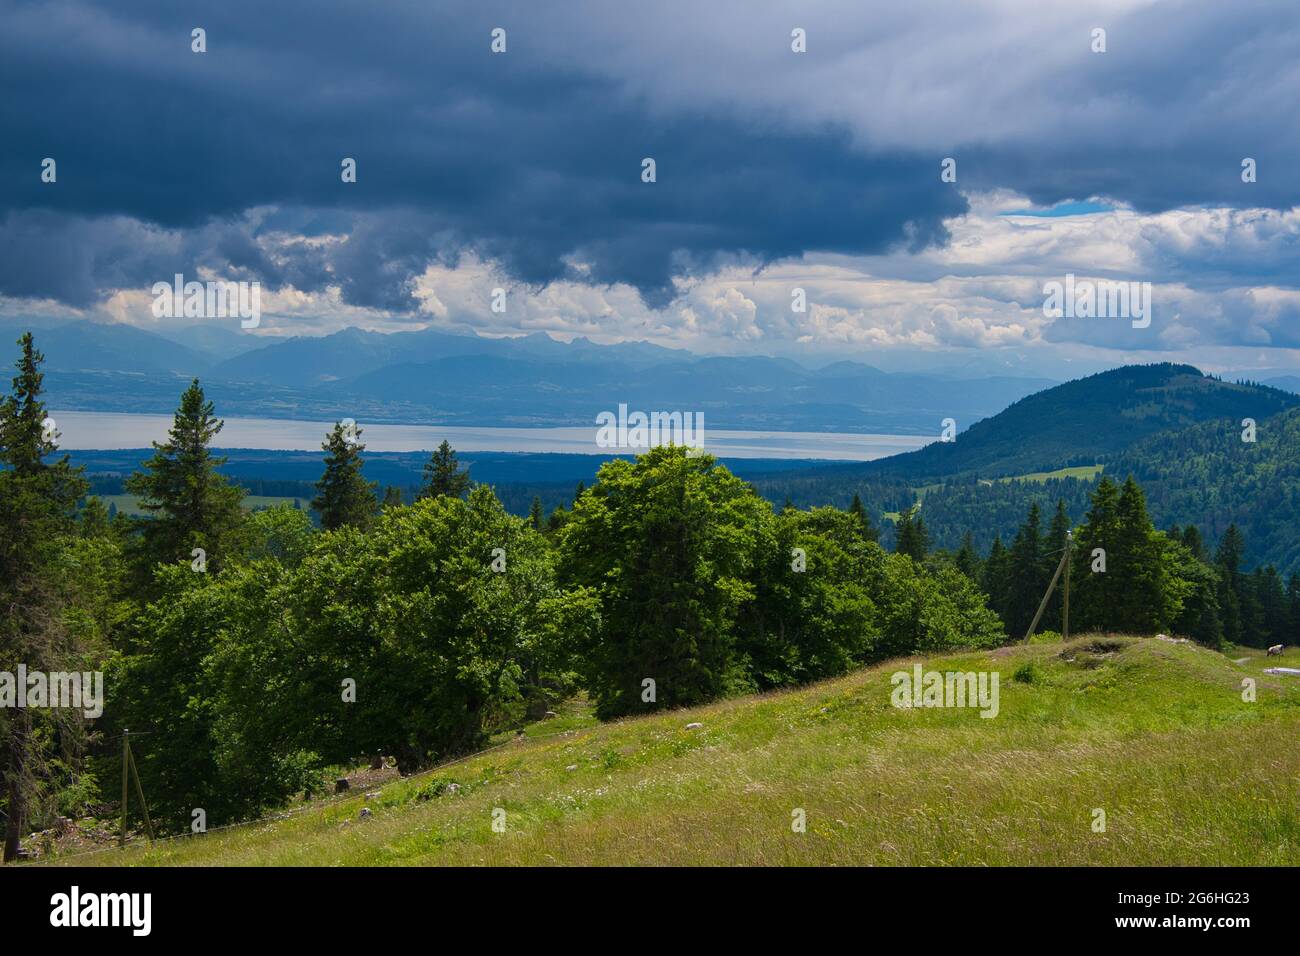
x,y
1275,651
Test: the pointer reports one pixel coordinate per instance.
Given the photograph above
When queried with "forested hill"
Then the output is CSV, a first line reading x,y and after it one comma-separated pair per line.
x,y
1209,476
1082,422
1203,475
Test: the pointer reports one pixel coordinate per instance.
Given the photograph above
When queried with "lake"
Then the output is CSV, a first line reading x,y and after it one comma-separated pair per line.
x,y
117,430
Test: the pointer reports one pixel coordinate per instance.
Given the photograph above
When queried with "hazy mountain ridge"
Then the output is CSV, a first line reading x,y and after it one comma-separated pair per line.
x,y
81,346
437,377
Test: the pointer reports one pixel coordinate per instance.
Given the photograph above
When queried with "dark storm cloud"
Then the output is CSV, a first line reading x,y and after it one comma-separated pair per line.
x,y
1183,93
457,150
171,160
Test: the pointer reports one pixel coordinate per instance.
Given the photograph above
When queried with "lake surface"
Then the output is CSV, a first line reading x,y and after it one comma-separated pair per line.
x,y
116,430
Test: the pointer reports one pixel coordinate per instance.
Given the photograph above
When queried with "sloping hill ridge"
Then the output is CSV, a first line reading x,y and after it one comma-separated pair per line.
x,y
1203,475
428,376
1208,476
1155,734
1085,421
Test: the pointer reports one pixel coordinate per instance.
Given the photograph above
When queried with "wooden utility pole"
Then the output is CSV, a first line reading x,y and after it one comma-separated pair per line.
x,y
129,768
1065,605
126,770
1042,605
139,792
1064,565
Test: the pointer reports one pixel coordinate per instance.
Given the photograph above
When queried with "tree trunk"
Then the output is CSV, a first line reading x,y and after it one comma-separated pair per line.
x,y
20,732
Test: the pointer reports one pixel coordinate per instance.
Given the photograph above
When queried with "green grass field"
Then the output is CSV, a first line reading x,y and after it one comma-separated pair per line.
x,y
128,504
1155,734
1039,477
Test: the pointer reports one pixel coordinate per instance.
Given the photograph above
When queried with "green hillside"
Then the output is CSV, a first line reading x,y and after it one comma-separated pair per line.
x,y
1203,475
1154,733
1175,430
1078,423
1206,475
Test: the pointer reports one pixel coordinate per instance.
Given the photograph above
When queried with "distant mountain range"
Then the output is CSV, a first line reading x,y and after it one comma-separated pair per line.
x,y
429,376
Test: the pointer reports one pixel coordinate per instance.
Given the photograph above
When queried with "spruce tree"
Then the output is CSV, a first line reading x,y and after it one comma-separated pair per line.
x,y
93,519
1145,600
967,559
1193,541
1056,532
911,537
535,514
443,475
1053,548
1025,585
1273,612
344,498
1199,617
869,532
190,504
1293,607
37,510
993,578
1095,592
1228,561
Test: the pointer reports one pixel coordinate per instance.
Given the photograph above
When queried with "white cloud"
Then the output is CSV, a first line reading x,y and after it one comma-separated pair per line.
x,y
983,291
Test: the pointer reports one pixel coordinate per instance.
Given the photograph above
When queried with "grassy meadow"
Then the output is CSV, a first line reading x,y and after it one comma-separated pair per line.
x,y
1086,472
130,504
1154,733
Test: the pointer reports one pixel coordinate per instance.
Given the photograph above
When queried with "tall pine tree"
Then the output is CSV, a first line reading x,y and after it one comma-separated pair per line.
x,y
1148,599
1137,593
344,498
190,504
1228,560
443,475
869,531
967,559
1094,588
1272,610
911,538
994,576
1293,607
37,509
1025,584
1053,548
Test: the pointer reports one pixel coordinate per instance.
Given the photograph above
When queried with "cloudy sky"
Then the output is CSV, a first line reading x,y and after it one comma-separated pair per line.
x,y
775,170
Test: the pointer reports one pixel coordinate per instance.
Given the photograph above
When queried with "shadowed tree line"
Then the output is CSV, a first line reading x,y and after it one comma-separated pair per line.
x,y
1126,576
